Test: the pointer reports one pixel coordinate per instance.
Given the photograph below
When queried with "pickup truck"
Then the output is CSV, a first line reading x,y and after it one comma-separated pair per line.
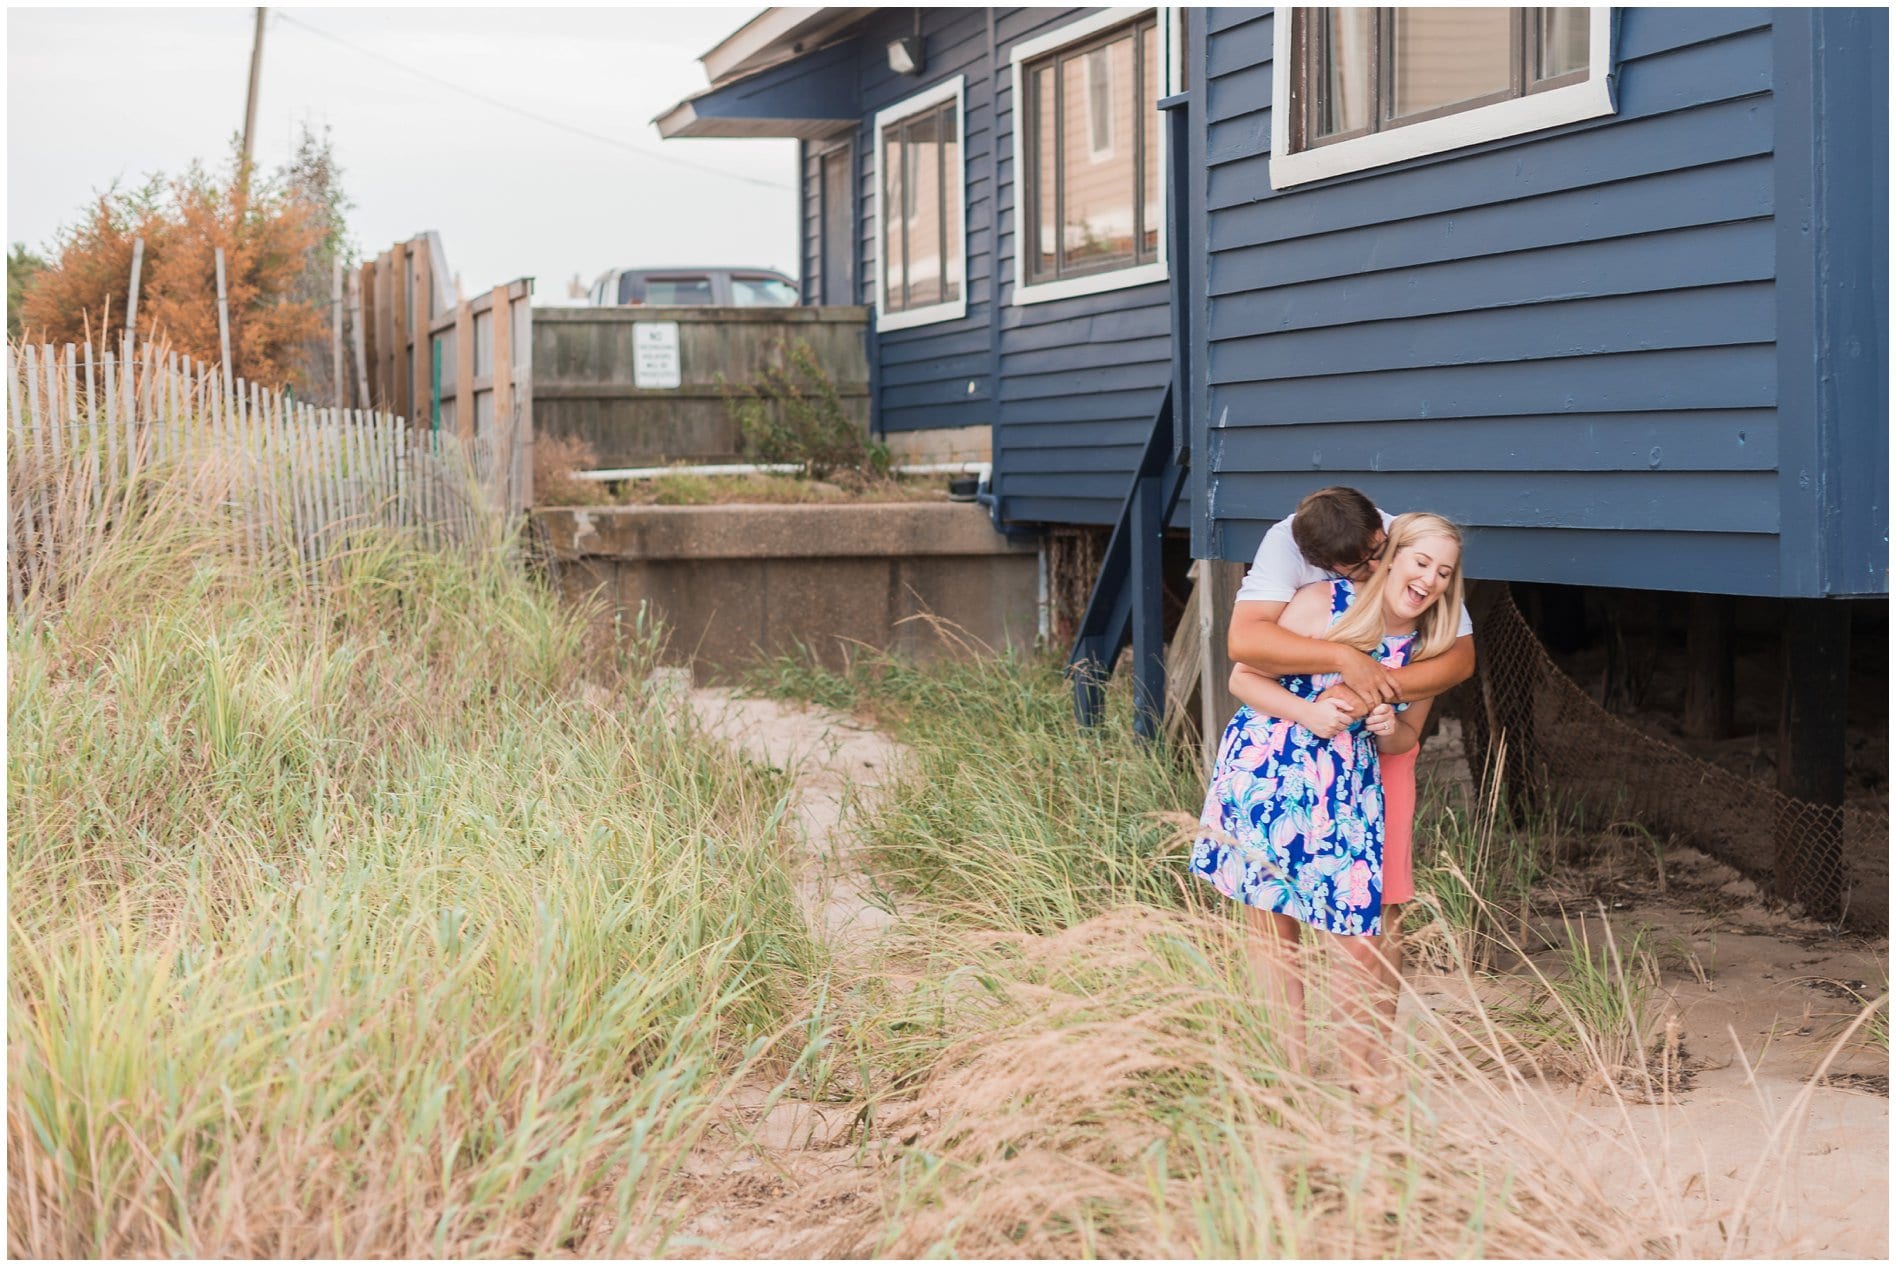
x,y
719,287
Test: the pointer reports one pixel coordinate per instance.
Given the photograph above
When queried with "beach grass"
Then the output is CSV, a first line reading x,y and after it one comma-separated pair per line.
x,y
371,912
1064,1051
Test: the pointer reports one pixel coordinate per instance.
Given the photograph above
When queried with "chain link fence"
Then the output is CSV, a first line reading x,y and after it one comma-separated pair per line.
x,y
1557,747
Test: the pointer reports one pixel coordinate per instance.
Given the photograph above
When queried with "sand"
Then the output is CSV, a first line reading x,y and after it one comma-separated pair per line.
x,y
1760,1000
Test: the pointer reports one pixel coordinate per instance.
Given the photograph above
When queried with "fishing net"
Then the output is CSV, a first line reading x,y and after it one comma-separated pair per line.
x,y
1553,744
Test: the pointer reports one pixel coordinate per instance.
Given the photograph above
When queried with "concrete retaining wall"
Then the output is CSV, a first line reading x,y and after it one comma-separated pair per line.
x,y
734,582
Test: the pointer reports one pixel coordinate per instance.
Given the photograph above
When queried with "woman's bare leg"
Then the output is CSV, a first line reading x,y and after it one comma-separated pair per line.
x,y
1358,982
1390,966
1276,957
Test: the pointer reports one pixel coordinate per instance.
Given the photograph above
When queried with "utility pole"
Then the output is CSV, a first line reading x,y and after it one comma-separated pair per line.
x,y
250,100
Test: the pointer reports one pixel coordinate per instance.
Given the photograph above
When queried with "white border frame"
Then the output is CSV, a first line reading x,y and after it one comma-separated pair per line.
x,y
1589,99
1171,24
956,90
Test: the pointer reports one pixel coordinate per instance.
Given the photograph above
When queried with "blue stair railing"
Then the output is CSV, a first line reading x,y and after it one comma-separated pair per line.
x,y
1128,599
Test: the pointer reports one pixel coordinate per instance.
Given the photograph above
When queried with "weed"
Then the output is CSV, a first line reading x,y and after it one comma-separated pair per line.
x,y
792,413
1597,1017
556,459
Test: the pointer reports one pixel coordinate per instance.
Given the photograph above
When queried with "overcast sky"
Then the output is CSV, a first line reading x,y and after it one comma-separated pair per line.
x,y
97,95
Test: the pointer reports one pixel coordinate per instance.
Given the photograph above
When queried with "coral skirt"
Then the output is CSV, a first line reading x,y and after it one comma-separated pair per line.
x,y
1398,785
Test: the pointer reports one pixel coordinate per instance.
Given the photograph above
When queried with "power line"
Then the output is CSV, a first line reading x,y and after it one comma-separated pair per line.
x,y
529,114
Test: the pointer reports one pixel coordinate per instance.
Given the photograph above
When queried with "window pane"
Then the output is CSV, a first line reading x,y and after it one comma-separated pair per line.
x,y
924,210
1562,43
1099,103
1152,51
952,195
762,292
1443,56
1098,185
678,290
894,277
1340,99
1046,104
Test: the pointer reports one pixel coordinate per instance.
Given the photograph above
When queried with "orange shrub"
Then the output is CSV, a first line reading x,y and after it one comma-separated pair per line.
x,y
267,233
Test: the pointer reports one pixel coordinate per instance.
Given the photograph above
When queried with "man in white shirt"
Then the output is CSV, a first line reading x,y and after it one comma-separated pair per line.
x,y
1335,532
1338,532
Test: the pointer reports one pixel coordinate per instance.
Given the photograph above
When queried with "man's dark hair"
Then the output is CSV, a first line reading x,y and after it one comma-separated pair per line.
x,y
1335,527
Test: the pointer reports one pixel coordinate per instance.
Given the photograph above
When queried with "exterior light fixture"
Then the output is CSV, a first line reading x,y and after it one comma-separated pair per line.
x,y
905,55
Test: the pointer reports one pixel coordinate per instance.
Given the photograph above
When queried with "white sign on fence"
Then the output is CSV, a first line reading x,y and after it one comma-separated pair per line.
x,y
655,354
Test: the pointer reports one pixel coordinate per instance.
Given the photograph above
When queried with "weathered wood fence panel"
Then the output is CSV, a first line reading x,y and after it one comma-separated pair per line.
x,y
586,386
481,386
89,438
448,364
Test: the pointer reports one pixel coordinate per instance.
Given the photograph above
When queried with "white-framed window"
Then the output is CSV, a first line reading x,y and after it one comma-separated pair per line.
x,y
922,205
1359,88
1089,190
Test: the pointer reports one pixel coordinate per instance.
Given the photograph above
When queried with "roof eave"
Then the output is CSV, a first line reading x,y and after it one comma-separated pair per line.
x,y
774,36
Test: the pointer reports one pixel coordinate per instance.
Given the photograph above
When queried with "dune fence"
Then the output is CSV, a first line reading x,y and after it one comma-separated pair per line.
x,y
91,440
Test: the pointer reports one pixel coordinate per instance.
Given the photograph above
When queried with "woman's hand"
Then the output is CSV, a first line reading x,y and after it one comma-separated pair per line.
x,y
1381,721
1398,732
1327,718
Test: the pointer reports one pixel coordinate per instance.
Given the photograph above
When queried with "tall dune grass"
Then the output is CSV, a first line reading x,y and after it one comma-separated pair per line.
x,y
369,913
1065,1054
1010,815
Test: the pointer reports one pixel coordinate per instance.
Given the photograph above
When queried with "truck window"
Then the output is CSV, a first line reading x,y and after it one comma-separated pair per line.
x,y
762,292
666,291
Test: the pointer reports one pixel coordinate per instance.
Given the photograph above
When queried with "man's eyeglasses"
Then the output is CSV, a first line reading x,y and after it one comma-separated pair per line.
x,y
1355,570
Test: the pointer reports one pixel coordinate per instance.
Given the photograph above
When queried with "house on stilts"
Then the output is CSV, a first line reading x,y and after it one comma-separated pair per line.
x,y
1607,286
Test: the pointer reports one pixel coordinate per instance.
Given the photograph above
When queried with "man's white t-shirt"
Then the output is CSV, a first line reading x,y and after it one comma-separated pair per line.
x,y
1280,570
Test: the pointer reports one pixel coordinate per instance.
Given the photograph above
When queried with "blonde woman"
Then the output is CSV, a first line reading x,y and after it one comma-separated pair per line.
x,y
1293,820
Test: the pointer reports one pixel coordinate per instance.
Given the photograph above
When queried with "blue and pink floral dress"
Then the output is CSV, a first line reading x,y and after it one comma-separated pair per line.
x,y
1293,823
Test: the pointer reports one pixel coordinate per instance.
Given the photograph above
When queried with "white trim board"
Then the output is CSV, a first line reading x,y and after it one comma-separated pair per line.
x,y
1589,99
952,89
1171,23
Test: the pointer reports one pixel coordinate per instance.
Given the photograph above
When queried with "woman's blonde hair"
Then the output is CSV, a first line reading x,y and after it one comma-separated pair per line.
x,y
1362,625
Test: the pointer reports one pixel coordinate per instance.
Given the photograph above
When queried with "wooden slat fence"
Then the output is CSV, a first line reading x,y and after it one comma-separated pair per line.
x,y
88,436
453,365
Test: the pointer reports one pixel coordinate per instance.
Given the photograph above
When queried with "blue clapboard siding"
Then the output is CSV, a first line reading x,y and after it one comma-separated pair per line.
x,y
809,213
937,375
1070,387
1080,378
1594,345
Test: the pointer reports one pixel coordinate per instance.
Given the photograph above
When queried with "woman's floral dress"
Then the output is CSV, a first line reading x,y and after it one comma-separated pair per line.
x,y
1294,823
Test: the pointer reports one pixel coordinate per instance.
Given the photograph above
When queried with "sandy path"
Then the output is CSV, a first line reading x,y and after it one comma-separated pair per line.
x,y
1765,986
1758,1027
837,764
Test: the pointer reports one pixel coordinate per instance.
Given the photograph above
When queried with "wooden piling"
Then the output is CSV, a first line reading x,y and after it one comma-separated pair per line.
x,y
1815,673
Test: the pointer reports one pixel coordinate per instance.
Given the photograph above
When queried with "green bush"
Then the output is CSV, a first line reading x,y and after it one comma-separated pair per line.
x,y
792,414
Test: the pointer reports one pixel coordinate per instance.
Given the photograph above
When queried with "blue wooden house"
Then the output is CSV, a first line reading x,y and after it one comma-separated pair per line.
x,y
991,311
1608,286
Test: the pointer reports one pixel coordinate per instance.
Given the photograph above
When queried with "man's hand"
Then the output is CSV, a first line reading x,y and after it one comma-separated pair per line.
x,y
1328,718
1368,678
1344,695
